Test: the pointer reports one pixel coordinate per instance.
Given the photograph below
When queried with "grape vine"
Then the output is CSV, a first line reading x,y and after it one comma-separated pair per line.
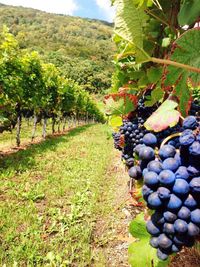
x,y
31,88
157,127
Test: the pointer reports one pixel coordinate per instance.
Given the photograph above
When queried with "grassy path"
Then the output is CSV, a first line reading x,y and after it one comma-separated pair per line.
x,y
52,197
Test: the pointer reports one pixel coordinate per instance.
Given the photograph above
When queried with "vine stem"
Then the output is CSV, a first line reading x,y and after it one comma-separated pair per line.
x,y
174,63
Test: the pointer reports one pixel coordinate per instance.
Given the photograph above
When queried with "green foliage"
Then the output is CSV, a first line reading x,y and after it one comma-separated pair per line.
x,y
28,83
81,48
129,27
147,33
140,252
120,104
189,12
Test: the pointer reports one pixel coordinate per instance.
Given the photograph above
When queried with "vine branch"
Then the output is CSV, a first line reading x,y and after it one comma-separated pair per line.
x,y
175,64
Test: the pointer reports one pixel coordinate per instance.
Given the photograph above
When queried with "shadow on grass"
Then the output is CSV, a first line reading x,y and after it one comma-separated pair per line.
x,y
22,160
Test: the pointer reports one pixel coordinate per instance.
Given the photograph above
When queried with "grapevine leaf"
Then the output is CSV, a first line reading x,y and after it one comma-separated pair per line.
x,y
115,122
154,74
156,95
165,116
183,93
140,252
186,51
189,12
129,23
120,104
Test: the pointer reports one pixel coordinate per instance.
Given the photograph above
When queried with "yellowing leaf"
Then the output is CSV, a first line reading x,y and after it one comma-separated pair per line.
x,y
115,122
165,116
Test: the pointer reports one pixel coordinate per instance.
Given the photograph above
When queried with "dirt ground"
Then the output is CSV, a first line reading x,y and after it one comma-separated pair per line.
x,y
113,232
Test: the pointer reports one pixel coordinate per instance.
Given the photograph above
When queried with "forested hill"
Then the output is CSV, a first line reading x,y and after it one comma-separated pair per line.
x,y
82,48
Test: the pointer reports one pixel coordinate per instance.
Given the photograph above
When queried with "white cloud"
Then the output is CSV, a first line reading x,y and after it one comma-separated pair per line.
x,y
105,6
67,7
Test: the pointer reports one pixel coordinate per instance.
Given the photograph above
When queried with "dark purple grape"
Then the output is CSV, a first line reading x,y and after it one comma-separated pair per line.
x,y
168,228
161,255
169,216
193,229
194,149
195,185
193,171
184,213
186,139
152,229
176,248
154,201
146,191
190,202
167,151
154,242
164,242
174,203
132,172
146,153
151,179
181,187
195,216
166,177
170,164
155,166
190,122
182,173
150,139
163,193
180,226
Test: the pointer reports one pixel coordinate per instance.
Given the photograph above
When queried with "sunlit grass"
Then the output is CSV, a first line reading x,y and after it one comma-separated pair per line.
x,y
51,196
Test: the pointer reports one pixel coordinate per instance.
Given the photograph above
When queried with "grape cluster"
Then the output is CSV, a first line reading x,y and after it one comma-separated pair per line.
x,y
171,176
172,189
133,132
117,140
144,111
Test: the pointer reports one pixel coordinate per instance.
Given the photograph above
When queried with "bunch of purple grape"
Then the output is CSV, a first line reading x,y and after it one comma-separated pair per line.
x,y
117,137
133,132
172,188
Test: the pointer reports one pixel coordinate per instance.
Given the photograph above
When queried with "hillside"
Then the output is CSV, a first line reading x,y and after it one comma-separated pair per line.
x,y
82,48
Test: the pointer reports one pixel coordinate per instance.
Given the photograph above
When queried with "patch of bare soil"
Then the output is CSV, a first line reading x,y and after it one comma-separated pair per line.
x,y
111,236
186,258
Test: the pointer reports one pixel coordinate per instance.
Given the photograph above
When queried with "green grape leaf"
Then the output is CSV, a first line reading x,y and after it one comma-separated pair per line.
x,y
129,22
143,81
165,116
115,122
120,104
186,51
154,74
156,95
184,95
140,252
189,12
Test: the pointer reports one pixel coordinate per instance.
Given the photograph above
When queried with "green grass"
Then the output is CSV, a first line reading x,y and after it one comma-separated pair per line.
x,y
51,195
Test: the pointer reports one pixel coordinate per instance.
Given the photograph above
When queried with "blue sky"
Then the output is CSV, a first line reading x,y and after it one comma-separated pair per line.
x,y
99,9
